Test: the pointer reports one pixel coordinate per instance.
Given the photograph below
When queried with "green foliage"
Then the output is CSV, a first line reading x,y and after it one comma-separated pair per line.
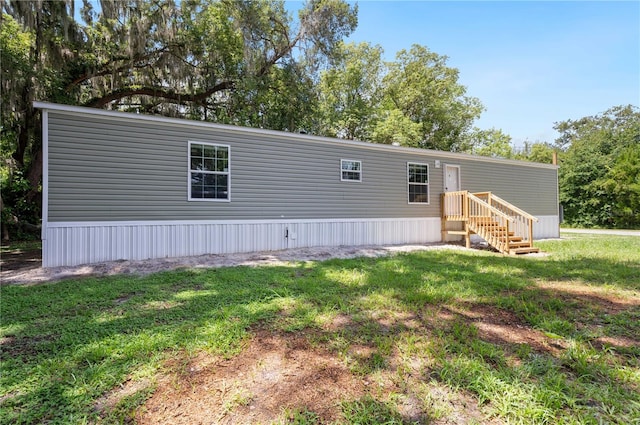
x,y
17,210
623,184
16,71
536,152
21,246
395,127
598,173
492,143
350,92
14,45
415,100
426,90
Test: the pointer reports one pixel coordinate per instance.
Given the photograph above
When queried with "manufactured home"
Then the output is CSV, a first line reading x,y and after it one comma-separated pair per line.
x,y
128,186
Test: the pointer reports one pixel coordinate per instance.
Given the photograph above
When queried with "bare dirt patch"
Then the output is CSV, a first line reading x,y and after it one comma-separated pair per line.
x,y
595,296
112,398
280,374
505,328
275,376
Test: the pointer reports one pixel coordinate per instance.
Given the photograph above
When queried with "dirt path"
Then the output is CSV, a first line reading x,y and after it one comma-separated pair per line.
x,y
25,268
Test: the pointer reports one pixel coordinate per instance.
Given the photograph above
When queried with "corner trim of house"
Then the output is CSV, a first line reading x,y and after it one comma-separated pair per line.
x,y
45,173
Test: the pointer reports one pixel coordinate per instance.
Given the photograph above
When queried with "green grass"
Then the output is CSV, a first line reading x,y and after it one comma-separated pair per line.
x,y
66,344
16,246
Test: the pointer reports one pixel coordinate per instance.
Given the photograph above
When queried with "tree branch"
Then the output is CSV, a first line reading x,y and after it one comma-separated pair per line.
x,y
277,56
159,92
133,63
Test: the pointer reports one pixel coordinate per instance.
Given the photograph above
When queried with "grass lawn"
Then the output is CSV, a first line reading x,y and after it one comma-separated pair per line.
x,y
442,336
21,246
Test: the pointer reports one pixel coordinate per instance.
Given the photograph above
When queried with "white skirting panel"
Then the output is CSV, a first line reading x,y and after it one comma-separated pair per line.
x,y
70,244
548,226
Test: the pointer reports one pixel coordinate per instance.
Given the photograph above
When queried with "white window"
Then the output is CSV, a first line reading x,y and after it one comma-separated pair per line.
x,y
418,183
350,170
208,172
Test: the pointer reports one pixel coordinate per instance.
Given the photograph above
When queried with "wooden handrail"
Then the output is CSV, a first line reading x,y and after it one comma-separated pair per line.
x,y
468,195
511,207
491,207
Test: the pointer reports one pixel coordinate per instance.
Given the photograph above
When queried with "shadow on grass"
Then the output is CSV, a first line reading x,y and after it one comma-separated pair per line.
x,y
65,344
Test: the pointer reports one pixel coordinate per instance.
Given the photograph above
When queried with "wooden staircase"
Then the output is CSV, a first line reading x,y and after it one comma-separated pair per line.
x,y
504,226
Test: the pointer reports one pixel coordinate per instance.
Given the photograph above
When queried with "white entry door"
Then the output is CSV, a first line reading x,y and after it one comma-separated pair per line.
x,y
451,178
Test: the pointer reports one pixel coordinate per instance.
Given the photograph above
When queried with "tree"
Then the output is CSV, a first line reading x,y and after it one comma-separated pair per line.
x,y
395,127
30,57
421,85
599,150
231,61
536,152
350,92
623,184
204,53
492,142
415,100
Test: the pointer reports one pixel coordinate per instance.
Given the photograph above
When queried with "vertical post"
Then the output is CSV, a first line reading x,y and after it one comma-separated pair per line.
x,y
465,205
443,222
465,211
467,236
530,233
506,238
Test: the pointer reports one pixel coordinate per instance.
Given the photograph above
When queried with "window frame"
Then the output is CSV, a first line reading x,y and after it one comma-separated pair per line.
x,y
342,170
427,184
217,173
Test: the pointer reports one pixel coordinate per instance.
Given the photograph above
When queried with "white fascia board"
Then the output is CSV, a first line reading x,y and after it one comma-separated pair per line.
x,y
296,136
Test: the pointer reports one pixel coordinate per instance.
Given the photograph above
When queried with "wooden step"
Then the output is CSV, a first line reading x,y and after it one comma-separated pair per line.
x,y
520,251
456,232
519,244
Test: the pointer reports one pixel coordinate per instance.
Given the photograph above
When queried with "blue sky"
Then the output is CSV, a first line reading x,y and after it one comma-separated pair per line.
x,y
530,63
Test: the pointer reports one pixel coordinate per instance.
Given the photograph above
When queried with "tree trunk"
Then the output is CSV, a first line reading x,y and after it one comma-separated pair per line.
x,y
25,126
34,177
5,231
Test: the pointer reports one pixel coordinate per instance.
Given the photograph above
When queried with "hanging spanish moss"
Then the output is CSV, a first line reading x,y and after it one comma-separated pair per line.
x,y
200,59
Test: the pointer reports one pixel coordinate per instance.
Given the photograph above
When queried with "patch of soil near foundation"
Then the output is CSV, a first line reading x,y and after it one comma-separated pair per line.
x,y
276,376
26,269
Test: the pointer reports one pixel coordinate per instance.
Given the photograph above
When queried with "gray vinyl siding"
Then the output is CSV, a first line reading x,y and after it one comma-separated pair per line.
x,y
125,169
531,189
